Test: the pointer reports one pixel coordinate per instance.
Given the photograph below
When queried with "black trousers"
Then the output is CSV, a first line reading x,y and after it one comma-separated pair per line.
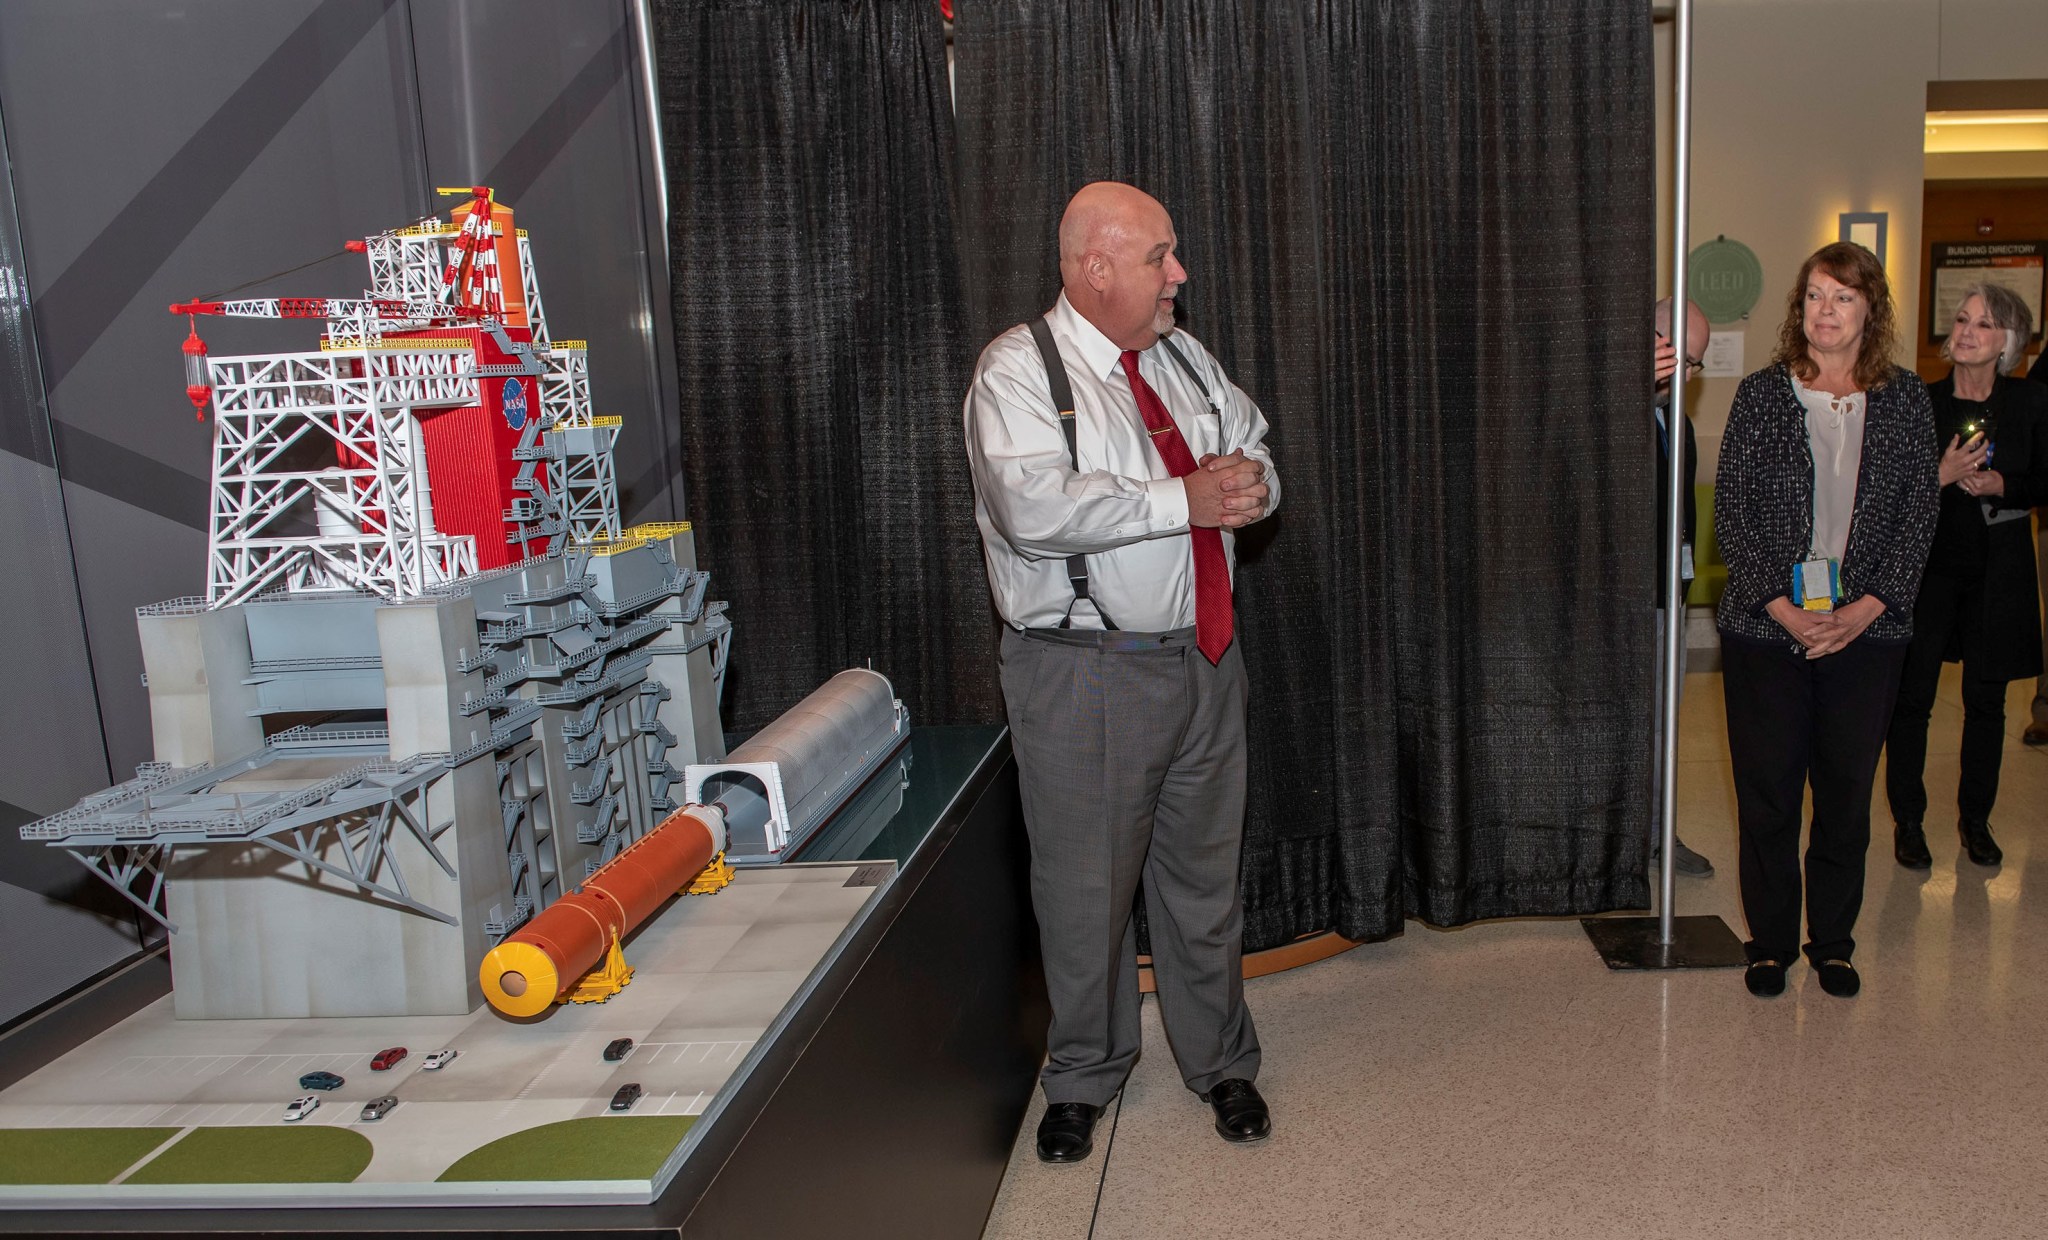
x,y
1794,721
1944,605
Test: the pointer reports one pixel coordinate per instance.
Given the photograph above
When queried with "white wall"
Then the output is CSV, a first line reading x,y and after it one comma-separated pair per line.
x,y
1803,109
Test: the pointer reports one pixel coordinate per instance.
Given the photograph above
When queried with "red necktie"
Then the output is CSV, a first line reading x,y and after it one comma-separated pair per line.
x,y
1212,571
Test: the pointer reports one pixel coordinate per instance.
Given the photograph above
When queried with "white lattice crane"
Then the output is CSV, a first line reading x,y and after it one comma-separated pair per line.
x,y
439,387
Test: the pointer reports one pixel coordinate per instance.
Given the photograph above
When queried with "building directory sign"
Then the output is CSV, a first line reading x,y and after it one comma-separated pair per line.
x,y
2016,265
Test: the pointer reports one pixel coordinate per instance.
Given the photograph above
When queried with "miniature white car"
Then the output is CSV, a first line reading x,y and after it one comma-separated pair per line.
x,y
436,1059
301,1107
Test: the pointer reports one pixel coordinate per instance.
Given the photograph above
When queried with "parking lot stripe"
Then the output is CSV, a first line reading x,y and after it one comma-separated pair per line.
x,y
137,1164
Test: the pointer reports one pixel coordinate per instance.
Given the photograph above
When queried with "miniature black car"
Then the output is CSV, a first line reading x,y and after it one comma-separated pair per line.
x,y
628,1094
320,1080
619,1049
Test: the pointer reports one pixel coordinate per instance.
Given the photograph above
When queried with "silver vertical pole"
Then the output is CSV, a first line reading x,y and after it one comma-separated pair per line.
x,y
1665,941
643,30
1674,509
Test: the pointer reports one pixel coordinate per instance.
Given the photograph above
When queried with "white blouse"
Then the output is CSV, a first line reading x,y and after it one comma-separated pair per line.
x,y
1834,434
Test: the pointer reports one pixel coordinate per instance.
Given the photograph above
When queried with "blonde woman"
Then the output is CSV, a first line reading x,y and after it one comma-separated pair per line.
x,y
1977,599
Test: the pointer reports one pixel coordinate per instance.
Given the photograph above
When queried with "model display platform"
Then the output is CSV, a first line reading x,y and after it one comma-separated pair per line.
x,y
895,952
158,1111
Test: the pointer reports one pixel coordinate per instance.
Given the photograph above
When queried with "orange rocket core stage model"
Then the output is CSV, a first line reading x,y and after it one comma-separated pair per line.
x,y
543,962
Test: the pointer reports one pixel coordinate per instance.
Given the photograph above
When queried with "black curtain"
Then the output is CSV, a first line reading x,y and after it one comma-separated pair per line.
x,y
809,150
1419,233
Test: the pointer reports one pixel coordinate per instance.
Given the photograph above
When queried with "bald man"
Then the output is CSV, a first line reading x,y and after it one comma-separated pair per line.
x,y
1112,459
1666,369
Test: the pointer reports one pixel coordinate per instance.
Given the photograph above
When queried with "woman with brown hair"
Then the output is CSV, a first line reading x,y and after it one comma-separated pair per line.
x,y
1824,507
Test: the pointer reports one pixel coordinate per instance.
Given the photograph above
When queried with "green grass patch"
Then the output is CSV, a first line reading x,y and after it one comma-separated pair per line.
x,y
599,1147
259,1156
73,1155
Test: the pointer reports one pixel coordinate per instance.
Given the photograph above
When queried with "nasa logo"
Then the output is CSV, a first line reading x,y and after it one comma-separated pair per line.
x,y
515,404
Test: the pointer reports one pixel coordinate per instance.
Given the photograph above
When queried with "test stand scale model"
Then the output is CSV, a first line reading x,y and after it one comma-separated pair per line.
x,y
434,692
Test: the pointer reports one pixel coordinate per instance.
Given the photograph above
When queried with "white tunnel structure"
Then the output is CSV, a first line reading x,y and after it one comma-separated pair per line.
x,y
779,787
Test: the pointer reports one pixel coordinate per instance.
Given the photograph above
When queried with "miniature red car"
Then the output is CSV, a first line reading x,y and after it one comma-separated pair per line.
x,y
387,1058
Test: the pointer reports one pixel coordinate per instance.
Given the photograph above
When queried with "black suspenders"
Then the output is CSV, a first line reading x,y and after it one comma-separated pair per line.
x,y
1063,398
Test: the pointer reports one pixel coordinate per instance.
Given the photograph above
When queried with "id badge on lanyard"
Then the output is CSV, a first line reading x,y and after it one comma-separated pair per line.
x,y
1817,583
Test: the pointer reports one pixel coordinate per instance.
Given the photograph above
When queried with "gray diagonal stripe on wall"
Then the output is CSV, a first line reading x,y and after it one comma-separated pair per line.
x,y
49,872
99,464
100,283
544,139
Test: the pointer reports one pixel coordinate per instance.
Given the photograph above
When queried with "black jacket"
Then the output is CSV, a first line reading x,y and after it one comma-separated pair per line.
x,y
1691,506
2000,638
1763,504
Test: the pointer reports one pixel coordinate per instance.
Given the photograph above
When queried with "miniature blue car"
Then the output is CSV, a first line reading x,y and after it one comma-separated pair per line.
x,y
320,1080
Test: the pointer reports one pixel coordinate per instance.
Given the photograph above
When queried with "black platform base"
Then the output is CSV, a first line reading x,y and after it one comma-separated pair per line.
x,y
1696,943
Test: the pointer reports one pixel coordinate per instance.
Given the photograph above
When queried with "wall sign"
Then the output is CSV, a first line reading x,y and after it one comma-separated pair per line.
x,y
2016,265
1723,358
1724,277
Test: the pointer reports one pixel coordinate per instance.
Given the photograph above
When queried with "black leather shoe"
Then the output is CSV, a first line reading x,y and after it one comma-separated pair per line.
x,y
1909,845
1067,1133
1765,978
2036,734
1241,1114
1838,978
1977,841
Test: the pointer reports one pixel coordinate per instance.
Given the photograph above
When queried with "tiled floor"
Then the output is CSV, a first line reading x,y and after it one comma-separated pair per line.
x,y
1497,1081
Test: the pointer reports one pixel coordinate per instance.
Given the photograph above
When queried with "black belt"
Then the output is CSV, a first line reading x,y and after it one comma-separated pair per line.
x,y
1120,640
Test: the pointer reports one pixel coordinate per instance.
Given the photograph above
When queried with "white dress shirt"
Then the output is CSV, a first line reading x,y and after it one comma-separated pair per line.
x,y
1119,508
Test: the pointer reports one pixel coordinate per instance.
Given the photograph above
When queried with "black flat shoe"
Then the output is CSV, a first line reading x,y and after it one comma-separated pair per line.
x,y
1838,978
1977,841
1765,978
1067,1133
1241,1115
1909,845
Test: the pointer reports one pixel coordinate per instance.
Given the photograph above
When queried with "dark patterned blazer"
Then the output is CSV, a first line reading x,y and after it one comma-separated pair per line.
x,y
1763,504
